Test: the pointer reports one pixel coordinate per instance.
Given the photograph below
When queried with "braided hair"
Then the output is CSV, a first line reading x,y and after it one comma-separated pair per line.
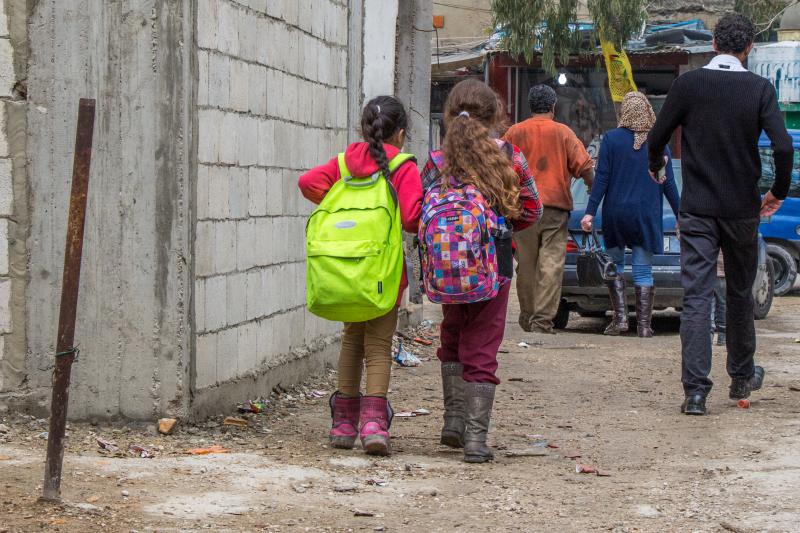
x,y
382,117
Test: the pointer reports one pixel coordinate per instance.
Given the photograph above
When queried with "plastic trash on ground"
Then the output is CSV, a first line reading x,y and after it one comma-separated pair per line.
x,y
405,358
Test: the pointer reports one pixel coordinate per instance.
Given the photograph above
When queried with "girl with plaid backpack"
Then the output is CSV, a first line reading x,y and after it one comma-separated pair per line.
x,y
478,189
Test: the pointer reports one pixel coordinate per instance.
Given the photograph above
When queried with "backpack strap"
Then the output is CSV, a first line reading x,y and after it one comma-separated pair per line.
x,y
344,172
395,163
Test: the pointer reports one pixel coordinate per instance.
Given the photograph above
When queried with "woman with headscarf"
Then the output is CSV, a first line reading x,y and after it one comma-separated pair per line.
x,y
632,209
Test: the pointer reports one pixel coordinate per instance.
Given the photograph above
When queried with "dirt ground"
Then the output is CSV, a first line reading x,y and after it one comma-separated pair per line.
x,y
613,402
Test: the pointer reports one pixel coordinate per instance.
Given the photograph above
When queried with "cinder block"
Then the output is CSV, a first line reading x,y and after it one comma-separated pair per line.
x,y
275,192
229,28
266,142
225,246
248,348
7,77
235,298
265,336
291,12
5,306
291,193
3,33
263,29
282,153
240,85
297,233
318,20
228,150
271,290
262,250
305,14
239,189
218,192
206,361
274,90
204,248
248,141
245,244
248,37
199,298
216,303
219,81
255,295
227,354
256,98
258,192
203,184
3,136
260,5
293,50
208,135
202,78
275,8
4,237
208,24
324,65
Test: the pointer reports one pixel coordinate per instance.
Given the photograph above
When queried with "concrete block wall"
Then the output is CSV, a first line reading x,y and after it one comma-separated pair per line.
x,y
7,79
13,215
271,103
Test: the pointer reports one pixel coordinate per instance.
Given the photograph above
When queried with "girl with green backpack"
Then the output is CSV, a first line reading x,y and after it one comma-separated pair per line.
x,y
355,269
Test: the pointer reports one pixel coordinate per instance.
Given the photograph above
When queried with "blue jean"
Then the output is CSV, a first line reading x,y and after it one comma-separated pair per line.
x,y
642,267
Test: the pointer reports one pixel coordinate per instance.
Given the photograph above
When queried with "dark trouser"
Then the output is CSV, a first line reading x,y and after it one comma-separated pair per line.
x,y
701,240
471,335
718,308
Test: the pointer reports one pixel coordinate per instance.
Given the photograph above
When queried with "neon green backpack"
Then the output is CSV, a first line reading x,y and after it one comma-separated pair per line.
x,y
354,247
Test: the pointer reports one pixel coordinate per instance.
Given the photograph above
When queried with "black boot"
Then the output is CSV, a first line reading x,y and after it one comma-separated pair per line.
x,y
644,310
454,405
479,399
741,388
694,404
616,291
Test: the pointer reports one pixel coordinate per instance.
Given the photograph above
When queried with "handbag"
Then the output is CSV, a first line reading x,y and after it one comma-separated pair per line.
x,y
594,266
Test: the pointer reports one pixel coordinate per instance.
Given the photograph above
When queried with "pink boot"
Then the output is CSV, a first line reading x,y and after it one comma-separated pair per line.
x,y
376,417
344,411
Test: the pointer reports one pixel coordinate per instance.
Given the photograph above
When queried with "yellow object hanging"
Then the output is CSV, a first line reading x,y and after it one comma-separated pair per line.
x,y
620,73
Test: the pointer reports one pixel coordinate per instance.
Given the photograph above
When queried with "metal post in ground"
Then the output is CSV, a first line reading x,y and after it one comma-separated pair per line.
x,y
65,343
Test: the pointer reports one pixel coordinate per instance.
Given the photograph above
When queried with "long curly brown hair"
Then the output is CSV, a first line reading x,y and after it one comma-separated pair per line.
x,y
471,155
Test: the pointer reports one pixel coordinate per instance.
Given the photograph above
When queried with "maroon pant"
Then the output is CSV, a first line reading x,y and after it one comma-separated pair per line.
x,y
471,335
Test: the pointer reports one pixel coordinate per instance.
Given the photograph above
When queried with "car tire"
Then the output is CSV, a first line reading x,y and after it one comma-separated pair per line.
x,y
764,296
785,268
562,315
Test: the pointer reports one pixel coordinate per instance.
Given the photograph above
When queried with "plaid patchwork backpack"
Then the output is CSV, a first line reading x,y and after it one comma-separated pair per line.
x,y
459,261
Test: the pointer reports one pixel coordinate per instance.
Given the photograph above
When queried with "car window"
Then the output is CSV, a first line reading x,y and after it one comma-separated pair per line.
x,y
768,173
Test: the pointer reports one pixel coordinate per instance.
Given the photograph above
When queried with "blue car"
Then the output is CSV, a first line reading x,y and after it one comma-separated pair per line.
x,y
782,230
594,301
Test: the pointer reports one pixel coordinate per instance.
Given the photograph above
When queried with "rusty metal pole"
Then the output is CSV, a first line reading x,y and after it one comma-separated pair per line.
x,y
65,343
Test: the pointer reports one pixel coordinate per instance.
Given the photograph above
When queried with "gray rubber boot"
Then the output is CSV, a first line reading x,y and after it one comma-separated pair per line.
x,y
454,405
479,399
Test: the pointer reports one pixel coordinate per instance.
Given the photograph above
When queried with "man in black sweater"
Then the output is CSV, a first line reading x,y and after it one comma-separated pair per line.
x,y
721,109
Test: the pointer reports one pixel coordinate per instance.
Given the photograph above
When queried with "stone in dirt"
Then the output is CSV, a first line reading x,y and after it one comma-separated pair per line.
x,y
166,425
4,428
648,511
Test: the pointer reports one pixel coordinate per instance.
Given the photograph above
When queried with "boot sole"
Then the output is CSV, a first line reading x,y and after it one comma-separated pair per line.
x,y
476,459
452,440
376,446
343,443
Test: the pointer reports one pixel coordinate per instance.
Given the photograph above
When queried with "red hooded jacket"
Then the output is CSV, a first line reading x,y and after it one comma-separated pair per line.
x,y
316,183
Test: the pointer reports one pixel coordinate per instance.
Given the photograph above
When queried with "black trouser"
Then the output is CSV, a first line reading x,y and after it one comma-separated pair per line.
x,y
701,240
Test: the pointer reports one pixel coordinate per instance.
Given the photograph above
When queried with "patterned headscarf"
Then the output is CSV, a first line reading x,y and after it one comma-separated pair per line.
x,y
637,115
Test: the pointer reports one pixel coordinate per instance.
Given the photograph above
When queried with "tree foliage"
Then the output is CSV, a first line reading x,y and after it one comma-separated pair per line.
x,y
766,14
548,25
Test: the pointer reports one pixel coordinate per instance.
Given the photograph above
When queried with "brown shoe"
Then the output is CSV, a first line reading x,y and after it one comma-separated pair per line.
x,y
644,310
619,304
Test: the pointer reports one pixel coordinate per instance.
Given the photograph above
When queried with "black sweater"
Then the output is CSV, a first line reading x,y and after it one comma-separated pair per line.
x,y
722,115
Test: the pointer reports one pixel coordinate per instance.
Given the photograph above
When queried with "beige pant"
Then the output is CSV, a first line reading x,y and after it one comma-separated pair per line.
x,y
541,250
367,342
